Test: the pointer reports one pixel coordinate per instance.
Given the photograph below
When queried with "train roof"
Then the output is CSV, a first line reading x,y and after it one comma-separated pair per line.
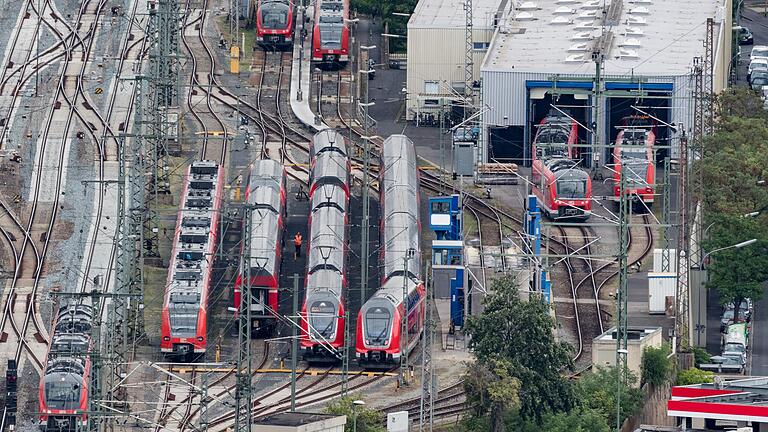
x,y
328,140
265,237
397,147
330,164
266,171
392,289
327,239
329,195
324,283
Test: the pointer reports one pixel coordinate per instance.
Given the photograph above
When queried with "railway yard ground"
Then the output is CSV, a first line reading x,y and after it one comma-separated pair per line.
x,y
59,211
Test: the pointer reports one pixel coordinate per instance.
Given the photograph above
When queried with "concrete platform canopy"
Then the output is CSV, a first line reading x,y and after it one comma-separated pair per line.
x,y
546,52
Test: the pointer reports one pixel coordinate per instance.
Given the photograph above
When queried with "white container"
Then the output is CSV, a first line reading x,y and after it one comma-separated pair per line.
x,y
657,260
660,286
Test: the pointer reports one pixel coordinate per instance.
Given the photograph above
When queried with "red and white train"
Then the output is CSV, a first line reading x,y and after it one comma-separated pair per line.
x,y
63,390
634,155
380,342
563,189
275,24
185,306
330,37
322,323
266,194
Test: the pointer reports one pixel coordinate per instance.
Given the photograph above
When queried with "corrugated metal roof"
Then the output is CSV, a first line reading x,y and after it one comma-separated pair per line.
x,y
450,13
650,37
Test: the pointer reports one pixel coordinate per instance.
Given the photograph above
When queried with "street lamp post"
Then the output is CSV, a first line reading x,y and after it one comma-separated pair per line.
x,y
699,326
355,405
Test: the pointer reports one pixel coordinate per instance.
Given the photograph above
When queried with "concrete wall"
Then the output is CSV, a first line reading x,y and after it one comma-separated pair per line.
x,y
604,351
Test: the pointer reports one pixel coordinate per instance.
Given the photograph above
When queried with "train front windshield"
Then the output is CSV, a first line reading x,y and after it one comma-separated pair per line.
x,y
377,324
571,189
322,316
274,16
62,391
330,37
634,166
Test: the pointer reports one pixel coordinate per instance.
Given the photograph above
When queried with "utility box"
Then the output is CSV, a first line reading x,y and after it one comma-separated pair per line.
x,y
660,286
397,421
464,158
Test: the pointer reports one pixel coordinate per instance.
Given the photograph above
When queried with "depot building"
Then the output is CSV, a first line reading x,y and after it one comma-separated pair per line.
x,y
596,61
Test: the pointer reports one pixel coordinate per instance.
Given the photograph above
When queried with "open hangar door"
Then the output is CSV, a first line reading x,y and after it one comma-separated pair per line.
x,y
620,103
574,103
513,143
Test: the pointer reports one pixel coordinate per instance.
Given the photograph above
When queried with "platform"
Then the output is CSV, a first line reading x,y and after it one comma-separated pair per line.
x,y
300,79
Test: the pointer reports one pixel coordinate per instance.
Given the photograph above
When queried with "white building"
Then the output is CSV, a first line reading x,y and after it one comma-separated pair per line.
x,y
638,339
542,55
437,48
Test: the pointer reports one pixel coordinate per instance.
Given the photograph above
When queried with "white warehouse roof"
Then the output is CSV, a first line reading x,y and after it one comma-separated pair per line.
x,y
447,14
650,37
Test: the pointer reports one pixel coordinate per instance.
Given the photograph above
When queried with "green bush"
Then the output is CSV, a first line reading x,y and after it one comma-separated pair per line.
x,y
656,366
700,355
694,376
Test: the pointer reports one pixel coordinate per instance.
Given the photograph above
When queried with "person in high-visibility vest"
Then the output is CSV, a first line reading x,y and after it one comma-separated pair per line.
x,y
297,243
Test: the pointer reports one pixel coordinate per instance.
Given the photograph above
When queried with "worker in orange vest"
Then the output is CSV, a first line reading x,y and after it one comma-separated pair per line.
x,y
297,243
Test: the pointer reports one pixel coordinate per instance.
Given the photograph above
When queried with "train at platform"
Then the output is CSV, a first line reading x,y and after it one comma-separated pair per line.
x,y
323,310
63,390
275,24
185,305
563,188
380,342
330,37
266,197
634,156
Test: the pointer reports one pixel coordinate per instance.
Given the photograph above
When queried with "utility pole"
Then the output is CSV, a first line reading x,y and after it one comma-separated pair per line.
x,y
243,399
428,377
666,217
234,22
597,94
345,357
621,293
365,241
295,339
469,63
404,368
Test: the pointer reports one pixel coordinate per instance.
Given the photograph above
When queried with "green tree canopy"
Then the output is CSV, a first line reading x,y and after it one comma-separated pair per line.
x,y
735,159
492,390
656,367
694,376
520,334
596,391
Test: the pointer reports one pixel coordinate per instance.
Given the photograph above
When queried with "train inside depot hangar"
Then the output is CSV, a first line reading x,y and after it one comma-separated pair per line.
x,y
599,69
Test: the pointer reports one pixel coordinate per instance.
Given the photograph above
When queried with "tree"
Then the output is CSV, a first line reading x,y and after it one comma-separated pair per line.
x,y
492,390
700,355
596,391
655,367
520,333
694,376
368,420
577,420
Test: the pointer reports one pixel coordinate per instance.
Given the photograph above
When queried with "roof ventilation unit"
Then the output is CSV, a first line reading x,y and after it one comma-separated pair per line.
x,y
588,15
625,53
630,42
525,16
579,47
561,20
573,58
640,10
582,36
636,20
563,10
586,25
641,2
631,31
567,1
528,6
592,4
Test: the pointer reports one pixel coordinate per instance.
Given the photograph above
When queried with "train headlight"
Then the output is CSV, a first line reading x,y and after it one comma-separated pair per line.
x,y
200,338
386,341
367,342
166,338
649,190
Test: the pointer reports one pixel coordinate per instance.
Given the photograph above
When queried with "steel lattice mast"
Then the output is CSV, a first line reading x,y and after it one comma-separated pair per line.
x,y
428,377
243,394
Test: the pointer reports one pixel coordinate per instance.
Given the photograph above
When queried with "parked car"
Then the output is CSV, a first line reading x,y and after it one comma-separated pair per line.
x,y
744,36
759,51
758,83
758,64
745,314
723,364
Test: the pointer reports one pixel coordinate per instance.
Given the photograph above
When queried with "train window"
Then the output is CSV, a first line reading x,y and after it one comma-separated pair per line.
x,y
274,16
62,391
377,324
571,188
183,323
330,37
431,87
322,316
